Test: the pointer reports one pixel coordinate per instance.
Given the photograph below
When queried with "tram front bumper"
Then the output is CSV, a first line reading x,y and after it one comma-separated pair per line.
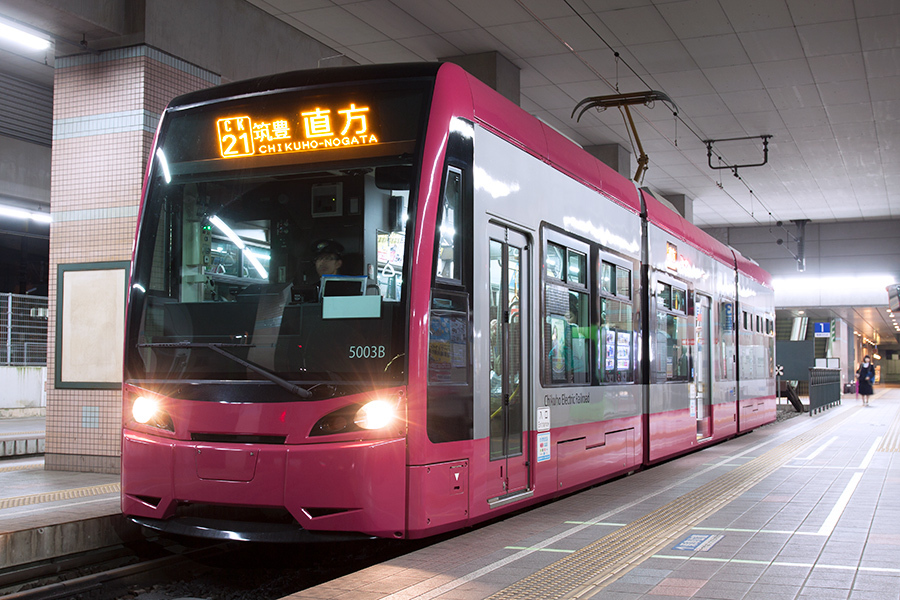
x,y
355,487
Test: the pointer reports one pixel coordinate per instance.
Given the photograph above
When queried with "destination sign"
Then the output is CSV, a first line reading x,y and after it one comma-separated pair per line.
x,y
308,129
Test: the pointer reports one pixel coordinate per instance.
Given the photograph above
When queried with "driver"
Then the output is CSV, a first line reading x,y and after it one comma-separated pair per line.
x,y
328,259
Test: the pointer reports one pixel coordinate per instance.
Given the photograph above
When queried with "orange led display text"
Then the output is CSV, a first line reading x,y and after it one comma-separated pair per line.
x,y
316,128
671,256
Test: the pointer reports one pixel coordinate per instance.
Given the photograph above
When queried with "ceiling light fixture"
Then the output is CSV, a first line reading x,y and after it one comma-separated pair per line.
x,y
20,35
19,213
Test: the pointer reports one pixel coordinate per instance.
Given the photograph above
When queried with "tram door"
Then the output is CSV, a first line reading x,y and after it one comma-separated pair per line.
x,y
702,387
510,396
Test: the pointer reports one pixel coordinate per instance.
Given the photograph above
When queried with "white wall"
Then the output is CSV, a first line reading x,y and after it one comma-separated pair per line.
x,y
23,388
865,250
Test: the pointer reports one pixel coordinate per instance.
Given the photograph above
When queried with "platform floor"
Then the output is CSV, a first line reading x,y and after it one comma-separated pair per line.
x,y
44,514
805,508
32,497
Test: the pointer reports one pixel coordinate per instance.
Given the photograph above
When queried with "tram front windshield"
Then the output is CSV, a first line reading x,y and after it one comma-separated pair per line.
x,y
273,255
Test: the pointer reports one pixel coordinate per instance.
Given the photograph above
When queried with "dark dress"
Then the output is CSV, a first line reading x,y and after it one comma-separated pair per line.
x,y
865,376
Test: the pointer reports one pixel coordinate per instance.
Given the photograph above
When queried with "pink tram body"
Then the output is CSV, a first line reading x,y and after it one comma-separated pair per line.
x,y
511,321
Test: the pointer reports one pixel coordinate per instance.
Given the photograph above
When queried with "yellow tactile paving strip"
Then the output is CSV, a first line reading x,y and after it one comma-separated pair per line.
x,y
22,467
21,434
610,557
85,492
891,440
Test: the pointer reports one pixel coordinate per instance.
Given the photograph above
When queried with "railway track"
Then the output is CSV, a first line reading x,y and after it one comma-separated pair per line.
x,y
104,573
162,570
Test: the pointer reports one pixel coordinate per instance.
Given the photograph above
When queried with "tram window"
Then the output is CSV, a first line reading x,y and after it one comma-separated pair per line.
x,y
673,361
673,354
615,343
746,320
566,265
725,343
679,302
567,317
577,265
449,244
623,282
664,296
615,280
555,260
607,278
448,339
567,336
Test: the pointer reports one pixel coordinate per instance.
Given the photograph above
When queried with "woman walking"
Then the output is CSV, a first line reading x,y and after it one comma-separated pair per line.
x,y
865,376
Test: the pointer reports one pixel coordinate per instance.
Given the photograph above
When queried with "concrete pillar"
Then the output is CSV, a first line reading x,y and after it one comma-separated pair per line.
x,y
683,204
106,109
493,69
614,156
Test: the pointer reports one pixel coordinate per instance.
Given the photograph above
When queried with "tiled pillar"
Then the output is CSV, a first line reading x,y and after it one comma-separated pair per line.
x,y
683,204
493,69
614,156
105,111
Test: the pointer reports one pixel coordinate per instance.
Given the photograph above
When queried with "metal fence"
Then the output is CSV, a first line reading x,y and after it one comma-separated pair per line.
x,y
824,388
23,330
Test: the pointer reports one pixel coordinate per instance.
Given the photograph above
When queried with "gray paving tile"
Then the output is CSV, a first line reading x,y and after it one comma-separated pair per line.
x,y
724,590
608,595
870,595
631,587
870,582
823,594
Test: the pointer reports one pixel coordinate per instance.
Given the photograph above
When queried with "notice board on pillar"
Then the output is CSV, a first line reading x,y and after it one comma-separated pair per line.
x,y
90,324
796,358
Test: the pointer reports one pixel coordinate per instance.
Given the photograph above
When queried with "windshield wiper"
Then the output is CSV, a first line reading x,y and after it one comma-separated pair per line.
x,y
220,349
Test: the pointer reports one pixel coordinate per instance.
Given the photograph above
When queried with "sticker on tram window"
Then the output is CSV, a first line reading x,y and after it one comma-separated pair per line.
x,y
364,352
305,129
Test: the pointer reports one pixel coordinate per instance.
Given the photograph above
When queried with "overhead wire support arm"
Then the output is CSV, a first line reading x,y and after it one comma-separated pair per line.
x,y
623,101
709,152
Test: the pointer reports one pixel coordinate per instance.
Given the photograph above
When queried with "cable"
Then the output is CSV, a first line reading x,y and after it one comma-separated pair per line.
x,y
615,87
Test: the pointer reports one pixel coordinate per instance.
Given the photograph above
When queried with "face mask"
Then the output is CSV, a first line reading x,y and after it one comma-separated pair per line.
x,y
866,363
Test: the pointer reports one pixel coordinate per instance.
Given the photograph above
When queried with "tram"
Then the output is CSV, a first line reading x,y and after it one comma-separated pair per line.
x,y
502,318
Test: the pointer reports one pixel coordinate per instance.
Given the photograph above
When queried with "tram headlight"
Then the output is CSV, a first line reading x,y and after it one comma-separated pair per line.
x,y
146,410
377,414
381,416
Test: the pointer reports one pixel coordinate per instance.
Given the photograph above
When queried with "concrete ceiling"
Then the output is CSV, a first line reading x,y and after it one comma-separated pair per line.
x,y
821,76
877,324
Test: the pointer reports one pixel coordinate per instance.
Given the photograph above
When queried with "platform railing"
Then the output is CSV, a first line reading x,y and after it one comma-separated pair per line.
x,y
23,330
824,388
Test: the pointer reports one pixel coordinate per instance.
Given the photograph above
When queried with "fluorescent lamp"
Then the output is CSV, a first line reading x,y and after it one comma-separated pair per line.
x,y
164,164
231,235
19,213
23,38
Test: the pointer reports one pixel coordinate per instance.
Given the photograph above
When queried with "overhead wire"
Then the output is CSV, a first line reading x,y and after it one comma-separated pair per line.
x,y
615,87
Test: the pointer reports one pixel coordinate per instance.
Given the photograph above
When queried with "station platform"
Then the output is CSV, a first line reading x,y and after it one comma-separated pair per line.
x,y
45,514
22,437
802,508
